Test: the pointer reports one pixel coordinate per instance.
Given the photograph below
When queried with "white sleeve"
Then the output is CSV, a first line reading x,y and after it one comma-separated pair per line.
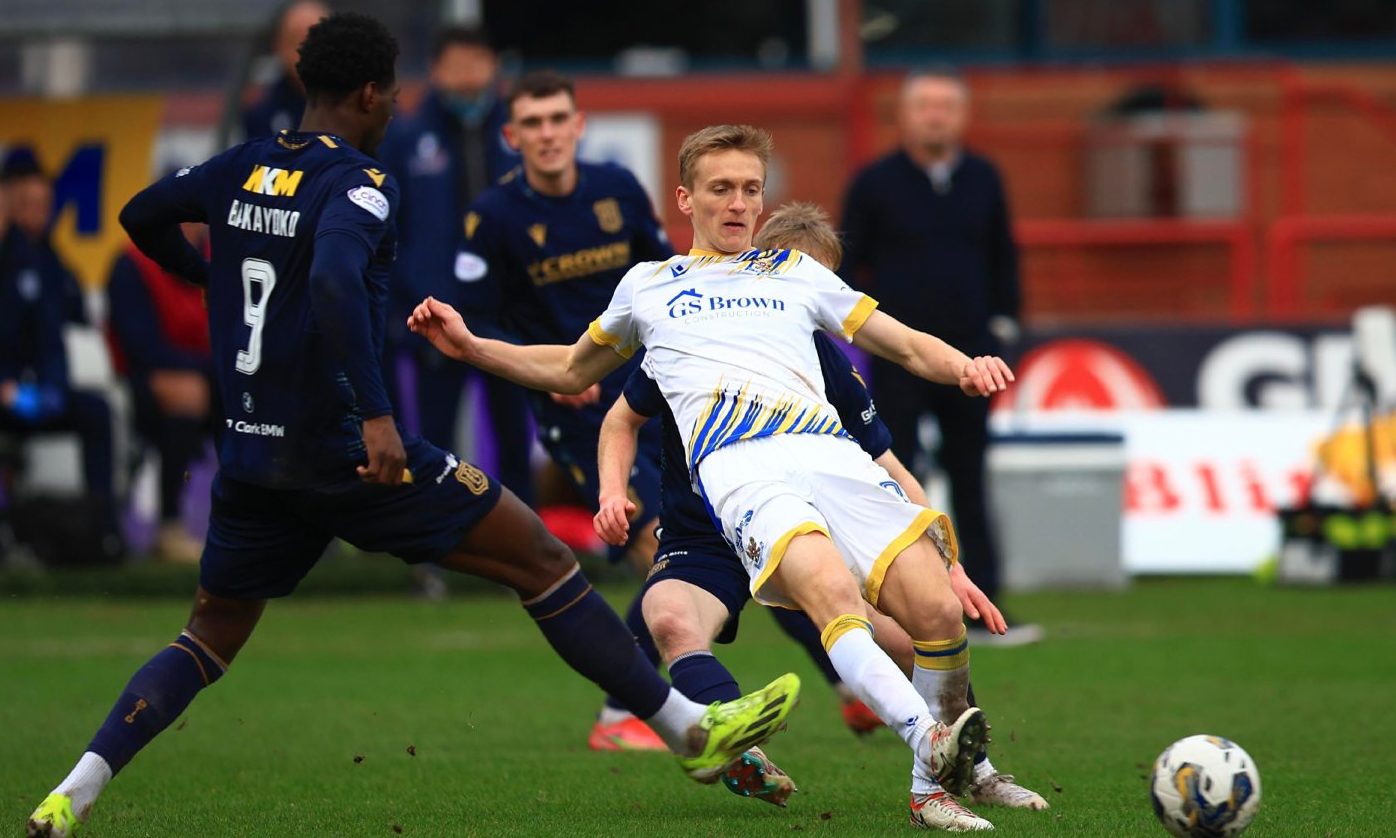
x,y
616,327
838,309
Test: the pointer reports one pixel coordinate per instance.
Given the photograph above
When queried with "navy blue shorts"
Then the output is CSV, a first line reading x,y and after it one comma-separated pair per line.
x,y
706,563
262,542
572,443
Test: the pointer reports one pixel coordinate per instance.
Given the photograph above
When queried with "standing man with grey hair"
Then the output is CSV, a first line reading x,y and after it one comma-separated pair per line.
x,y
927,229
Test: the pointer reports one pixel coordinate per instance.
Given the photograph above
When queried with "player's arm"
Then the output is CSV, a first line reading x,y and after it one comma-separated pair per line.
x,y
153,216
351,227
616,448
931,358
552,368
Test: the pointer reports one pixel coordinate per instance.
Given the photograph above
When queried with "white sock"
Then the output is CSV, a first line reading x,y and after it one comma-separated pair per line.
x,y
984,770
675,718
875,679
945,691
85,782
612,715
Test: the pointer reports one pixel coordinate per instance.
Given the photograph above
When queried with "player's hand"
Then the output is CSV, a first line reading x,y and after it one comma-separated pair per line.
x,y
443,327
612,523
386,459
972,600
984,376
590,395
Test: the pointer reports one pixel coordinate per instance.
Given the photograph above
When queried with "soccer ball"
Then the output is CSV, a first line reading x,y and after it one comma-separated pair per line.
x,y
1205,787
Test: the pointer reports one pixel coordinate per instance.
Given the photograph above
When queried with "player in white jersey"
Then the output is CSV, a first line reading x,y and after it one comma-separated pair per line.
x,y
728,334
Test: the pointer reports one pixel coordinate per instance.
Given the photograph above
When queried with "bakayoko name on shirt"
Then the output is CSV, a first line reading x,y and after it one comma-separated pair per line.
x,y
259,219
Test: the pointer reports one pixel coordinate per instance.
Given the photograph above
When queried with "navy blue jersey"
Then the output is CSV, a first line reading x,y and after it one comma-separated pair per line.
x,y
538,269
296,327
682,513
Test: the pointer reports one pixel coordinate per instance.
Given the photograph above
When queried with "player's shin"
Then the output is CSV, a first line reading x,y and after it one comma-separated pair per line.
x,y
878,681
701,677
941,678
614,709
587,634
154,697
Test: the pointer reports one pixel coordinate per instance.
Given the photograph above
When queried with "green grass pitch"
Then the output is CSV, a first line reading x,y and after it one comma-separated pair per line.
x,y
1305,680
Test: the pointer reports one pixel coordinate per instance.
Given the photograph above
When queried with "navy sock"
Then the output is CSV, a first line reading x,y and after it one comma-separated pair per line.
x,y
154,697
804,632
635,621
702,678
588,635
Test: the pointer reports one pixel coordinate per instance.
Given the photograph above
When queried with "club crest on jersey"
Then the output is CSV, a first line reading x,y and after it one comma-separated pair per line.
x,y
608,215
266,180
753,552
539,233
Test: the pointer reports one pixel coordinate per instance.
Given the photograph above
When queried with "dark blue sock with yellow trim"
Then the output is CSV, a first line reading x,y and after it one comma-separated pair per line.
x,y
154,697
702,678
635,621
588,635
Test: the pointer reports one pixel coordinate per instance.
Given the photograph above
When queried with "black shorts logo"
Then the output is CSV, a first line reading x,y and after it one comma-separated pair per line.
x,y
657,567
472,478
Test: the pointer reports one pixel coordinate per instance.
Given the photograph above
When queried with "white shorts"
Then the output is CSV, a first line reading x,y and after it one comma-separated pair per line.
x,y
766,491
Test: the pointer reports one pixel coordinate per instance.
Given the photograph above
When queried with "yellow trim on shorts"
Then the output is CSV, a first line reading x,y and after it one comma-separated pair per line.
x,y
778,552
604,338
924,520
858,316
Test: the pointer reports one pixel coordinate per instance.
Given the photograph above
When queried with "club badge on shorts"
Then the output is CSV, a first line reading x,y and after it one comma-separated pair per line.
x,y
472,478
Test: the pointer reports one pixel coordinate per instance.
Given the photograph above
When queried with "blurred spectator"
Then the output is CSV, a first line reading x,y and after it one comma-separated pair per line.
x,y
159,329
928,233
35,396
283,101
29,195
443,156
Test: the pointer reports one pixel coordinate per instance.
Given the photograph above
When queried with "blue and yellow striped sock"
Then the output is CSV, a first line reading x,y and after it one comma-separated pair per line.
x,y
941,675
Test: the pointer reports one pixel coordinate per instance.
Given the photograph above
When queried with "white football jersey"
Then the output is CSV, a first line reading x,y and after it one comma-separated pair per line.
x,y
729,338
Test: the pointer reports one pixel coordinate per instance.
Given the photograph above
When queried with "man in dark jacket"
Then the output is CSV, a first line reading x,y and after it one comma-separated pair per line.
x,y
283,101
928,232
443,156
35,395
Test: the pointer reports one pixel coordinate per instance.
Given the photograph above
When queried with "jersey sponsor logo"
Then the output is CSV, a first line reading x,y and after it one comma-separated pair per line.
x,y
469,267
472,478
691,301
592,260
376,175
539,233
869,414
608,215
472,223
267,180
371,200
258,219
256,428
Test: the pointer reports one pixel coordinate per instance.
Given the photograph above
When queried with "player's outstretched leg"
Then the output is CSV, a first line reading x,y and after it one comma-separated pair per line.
x,y
155,696
685,618
511,546
616,728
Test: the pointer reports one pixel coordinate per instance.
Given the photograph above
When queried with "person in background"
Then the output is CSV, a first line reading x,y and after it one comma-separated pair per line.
x,y
283,101
443,156
35,396
159,332
29,194
928,231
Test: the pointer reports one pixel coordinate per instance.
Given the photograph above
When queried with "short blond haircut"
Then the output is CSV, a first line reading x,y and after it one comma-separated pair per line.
x,y
801,225
716,138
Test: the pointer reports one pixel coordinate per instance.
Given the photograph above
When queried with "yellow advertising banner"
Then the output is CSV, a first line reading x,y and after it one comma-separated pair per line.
x,y
98,151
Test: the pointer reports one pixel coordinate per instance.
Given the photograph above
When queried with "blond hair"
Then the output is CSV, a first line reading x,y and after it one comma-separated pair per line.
x,y
801,225
716,138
